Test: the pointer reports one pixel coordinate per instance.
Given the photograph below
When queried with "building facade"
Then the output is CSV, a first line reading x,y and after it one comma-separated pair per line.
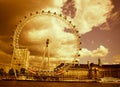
x,y
111,70
20,58
88,71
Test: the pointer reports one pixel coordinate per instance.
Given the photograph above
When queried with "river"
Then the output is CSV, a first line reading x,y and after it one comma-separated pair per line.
x,y
54,84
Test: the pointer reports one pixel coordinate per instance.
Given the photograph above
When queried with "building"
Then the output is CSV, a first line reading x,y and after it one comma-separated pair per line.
x,y
111,70
87,71
77,71
72,71
20,58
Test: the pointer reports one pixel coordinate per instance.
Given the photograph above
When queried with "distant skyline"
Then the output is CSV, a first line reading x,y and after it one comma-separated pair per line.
x,y
98,23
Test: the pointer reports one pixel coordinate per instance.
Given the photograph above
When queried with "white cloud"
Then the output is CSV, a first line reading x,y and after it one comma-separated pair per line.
x,y
99,52
116,58
91,13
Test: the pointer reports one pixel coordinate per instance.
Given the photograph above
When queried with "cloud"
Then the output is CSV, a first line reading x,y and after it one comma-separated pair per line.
x,y
5,47
91,13
116,58
4,57
62,44
85,53
5,51
99,52
114,19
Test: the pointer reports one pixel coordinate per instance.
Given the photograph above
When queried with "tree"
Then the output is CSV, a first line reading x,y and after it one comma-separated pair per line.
x,y
1,71
11,72
22,71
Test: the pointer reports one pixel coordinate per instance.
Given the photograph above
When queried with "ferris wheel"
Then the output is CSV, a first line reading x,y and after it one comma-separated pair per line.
x,y
64,19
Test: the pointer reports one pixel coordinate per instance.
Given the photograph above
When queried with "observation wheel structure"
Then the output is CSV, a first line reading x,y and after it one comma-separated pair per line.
x,y
28,18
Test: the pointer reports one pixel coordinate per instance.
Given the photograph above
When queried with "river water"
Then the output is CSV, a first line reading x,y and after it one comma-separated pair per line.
x,y
54,84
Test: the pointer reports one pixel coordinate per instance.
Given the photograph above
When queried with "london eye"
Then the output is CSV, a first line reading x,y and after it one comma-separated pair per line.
x,y
47,40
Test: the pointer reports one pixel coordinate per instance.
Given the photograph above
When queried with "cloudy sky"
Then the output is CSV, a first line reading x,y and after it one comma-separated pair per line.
x,y
98,22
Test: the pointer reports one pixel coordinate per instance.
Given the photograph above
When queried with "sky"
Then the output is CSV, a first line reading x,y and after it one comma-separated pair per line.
x,y
98,23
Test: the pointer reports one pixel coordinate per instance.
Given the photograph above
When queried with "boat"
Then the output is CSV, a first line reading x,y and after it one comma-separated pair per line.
x,y
109,80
